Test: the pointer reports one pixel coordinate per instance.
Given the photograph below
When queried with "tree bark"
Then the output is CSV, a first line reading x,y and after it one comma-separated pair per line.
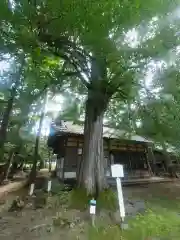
x,y
92,170
50,161
33,172
5,120
9,165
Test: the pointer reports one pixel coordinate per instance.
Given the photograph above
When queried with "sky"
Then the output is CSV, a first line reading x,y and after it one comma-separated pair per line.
x,y
4,65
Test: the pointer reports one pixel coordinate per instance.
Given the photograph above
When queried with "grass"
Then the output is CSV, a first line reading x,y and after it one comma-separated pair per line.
x,y
106,200
156,223
161,220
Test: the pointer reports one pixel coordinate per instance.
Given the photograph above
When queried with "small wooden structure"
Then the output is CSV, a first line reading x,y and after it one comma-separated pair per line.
x,y
67,139
160,163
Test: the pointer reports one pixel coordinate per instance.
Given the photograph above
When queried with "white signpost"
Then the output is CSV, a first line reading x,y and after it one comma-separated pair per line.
x,y
118,173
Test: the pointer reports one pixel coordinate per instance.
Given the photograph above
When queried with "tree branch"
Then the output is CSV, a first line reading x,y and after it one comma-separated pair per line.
x,y
69,74
3,101
78,68
80,75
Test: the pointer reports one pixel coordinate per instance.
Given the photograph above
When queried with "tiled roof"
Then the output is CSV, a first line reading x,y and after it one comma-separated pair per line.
x,y
70,127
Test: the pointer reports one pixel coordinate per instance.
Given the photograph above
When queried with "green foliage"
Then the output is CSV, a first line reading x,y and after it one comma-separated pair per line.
x,y
110,232
79,199
153,224
112,18
26,105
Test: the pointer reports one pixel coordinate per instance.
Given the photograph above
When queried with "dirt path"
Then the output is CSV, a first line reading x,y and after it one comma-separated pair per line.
x,y
21,182
35,224
11,187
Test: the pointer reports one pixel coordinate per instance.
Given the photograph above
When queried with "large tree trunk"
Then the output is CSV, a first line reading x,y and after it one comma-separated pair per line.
x,y
92,170
50,161
33,172
93,167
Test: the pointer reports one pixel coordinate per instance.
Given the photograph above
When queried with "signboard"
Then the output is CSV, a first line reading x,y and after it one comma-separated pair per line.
x,y
79,151
92,211
92,207
117,171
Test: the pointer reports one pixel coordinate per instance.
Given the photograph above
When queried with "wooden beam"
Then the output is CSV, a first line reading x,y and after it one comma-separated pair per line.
x,y
150,159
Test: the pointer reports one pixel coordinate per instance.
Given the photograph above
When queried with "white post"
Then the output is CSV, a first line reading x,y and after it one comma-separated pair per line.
x,y
49,186
120,199
31,191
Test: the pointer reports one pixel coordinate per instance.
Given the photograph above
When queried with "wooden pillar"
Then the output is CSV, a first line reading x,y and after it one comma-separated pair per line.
x,y
151,162
108,153
79,157
106,148
111,156
60,167
61,159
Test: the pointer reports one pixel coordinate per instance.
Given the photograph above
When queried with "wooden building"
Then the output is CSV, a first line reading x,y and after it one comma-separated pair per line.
x,y
67,138
160,162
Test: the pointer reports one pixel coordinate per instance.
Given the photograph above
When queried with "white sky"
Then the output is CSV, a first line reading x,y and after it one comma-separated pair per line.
x,y
3,66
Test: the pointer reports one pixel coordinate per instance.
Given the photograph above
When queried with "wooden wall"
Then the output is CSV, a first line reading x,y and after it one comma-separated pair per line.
x,y
73,156
73,146
133,155
125,146
109,144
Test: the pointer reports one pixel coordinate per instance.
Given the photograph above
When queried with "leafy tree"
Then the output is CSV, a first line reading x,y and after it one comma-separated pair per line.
x,y
15,78
160,113
38,135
